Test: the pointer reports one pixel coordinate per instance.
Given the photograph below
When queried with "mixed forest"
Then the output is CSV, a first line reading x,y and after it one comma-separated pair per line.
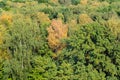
x,y
59,39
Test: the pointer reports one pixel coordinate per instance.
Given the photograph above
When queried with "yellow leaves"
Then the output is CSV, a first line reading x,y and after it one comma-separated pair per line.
x,y
2,32
60,16
3,53
9,3
56,31
95,3
84,19
18,16
84,2
42,18
43,6
31,3
73,25
19,5
6,18
55,56
104,3
54,1
114,25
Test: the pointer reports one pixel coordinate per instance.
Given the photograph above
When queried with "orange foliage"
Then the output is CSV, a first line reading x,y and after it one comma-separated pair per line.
x,y
57,31
6,18
84,19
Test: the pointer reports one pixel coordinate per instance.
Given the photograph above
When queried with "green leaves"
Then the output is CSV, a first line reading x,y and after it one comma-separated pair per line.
x,y
43,68
75,2
92,45
91,50
24,40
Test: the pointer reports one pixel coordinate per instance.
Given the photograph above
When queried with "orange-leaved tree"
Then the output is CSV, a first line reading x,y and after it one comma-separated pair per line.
x,y
6,19
56,32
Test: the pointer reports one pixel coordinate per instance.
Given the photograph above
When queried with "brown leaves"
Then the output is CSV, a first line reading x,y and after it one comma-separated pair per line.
x,y
57,31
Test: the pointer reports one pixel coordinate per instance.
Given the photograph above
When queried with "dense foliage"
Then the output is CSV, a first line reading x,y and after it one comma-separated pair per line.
x,y
59,40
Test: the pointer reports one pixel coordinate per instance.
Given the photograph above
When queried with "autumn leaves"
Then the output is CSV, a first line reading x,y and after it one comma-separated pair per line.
x,y
57,31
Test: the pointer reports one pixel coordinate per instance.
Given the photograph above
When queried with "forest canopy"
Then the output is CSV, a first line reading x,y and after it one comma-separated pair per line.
x,y
59,39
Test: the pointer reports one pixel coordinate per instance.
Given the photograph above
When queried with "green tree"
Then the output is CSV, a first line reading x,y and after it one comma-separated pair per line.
x,y
24,40
93,47
75,2
43,68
